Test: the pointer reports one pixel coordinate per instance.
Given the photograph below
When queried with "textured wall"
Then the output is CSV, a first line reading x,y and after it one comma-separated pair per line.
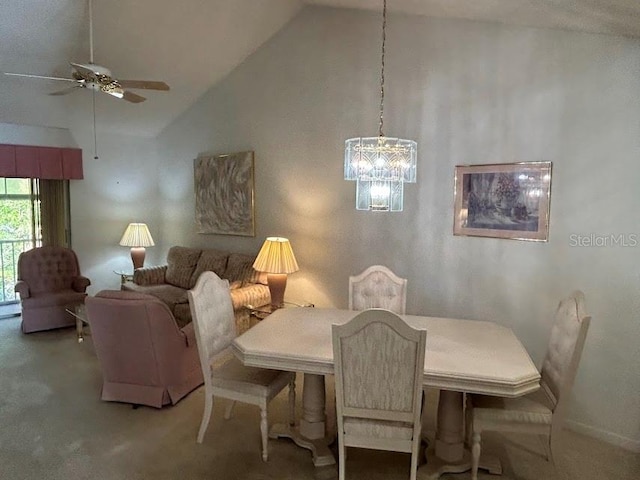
x,y
468,93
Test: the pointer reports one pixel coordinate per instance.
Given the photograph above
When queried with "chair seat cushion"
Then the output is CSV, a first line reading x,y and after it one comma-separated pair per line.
x,y
534,408
231,374
50,299
361,427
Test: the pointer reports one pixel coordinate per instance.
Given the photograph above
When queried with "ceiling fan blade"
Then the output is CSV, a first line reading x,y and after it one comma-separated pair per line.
x,y
132,97
83,69
144,84
66,91
40,76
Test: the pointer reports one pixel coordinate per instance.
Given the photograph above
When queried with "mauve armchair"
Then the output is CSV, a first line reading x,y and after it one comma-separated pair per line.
x,y
49,282
145,358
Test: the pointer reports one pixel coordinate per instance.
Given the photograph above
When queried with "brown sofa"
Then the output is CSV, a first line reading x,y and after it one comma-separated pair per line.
x,y
171,282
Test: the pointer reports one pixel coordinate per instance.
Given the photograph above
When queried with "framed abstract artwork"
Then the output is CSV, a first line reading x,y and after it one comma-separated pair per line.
x,y
224,188
506,200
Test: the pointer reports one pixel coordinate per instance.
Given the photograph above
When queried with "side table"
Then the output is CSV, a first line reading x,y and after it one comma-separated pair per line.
x,y
257,314
80,314
263,311
124,276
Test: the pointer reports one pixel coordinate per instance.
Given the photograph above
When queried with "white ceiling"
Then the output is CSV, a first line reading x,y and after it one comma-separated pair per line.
x,y
192,44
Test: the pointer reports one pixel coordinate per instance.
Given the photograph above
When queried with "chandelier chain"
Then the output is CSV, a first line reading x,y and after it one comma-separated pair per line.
x,y
384,41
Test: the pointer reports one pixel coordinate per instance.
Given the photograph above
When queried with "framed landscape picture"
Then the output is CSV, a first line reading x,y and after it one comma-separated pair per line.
x,y
224,188
506,200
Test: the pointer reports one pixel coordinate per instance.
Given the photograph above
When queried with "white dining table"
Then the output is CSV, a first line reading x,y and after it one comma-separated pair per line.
x,y
462,356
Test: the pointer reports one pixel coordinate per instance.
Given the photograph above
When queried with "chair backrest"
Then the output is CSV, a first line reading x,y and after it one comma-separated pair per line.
x,y
379,367
378,287
213,318
568,335
129,331
48,269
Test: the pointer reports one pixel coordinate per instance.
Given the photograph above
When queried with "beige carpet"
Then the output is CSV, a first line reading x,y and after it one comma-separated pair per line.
x,y
54,426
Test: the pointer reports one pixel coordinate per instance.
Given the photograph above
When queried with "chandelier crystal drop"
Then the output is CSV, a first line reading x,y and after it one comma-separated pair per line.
x,y
380,165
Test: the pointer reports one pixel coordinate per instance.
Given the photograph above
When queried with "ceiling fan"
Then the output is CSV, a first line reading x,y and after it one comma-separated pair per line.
x,y
99,78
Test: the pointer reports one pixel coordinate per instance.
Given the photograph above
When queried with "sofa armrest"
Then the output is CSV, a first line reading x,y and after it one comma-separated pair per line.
x,y
22,288
253,294
150,275
80,284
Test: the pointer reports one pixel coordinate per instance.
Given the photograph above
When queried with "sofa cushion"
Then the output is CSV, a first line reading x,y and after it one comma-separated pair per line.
x,y
181,262
124,295
169,294
240,269
210,260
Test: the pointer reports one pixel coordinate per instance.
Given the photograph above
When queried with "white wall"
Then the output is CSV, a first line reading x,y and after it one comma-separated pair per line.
x,y
119,187
40,136
468,93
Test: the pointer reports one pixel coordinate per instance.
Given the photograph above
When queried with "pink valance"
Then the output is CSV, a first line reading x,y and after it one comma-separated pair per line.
x,y
48,163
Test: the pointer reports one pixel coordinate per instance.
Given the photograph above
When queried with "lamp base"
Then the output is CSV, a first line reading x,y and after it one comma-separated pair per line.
x,y
137,256
277,283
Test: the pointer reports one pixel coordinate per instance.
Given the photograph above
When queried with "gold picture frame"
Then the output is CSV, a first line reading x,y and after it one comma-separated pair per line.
x,y
503,200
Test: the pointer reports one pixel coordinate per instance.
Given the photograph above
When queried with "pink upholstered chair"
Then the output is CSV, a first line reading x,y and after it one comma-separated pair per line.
x,y
145,358
49,281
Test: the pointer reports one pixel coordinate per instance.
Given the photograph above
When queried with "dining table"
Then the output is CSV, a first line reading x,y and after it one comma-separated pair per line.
x,y
462,356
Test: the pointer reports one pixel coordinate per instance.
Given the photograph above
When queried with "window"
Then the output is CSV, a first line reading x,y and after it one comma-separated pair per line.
x,y
18,217
33,212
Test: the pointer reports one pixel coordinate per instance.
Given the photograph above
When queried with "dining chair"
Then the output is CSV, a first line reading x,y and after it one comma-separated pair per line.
x,y
543,411
378,287
224,375
379,365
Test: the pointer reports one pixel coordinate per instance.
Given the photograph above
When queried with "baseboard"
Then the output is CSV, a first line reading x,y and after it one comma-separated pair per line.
x,y
609,437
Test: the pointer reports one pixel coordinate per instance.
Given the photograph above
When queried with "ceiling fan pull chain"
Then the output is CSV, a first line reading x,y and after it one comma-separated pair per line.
x,y
95,136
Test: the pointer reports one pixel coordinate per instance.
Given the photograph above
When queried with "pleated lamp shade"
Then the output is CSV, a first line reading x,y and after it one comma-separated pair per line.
x,y
137,237
277,259
276,256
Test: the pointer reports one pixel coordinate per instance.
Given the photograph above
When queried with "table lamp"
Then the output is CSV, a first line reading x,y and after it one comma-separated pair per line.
x,y
277,259
137,237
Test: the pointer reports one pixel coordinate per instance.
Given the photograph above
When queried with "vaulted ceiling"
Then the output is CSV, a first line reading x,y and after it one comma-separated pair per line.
x,y
192,44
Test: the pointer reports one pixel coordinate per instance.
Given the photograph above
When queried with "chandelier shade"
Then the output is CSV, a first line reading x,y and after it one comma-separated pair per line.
x,y
380,165
380,158
379,195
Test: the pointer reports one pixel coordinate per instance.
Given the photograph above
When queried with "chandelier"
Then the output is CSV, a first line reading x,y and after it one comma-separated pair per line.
x,y
380,165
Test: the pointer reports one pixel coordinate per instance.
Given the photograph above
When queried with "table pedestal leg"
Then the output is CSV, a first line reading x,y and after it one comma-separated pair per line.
x,y
310,434
449,454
